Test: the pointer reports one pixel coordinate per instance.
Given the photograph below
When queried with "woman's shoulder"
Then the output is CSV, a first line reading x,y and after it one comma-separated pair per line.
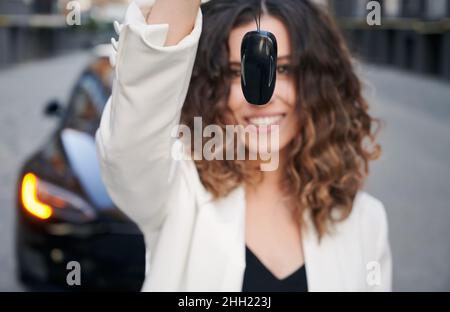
x,y
368,216
363,239
369,207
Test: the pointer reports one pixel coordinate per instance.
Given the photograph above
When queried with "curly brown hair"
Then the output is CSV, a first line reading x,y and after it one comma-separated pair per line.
x,y
327,163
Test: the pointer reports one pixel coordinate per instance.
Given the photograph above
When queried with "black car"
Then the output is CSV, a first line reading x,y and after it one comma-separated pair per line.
x,y
64,213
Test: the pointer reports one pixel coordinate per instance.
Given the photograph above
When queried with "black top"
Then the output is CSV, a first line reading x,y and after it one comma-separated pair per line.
x,y
257,278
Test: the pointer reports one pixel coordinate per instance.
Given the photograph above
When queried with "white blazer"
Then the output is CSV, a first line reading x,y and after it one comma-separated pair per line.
x,y
192,242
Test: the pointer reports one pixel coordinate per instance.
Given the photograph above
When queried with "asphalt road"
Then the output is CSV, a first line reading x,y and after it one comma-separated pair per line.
x,y
412,178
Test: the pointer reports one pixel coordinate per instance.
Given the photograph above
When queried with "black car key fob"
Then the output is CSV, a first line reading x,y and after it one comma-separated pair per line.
x,y
259,53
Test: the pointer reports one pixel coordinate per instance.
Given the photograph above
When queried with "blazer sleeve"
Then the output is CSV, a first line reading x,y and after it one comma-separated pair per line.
x,y
134,139
377,247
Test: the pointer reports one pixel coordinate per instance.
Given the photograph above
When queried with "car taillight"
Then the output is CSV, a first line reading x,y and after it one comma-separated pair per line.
x,y
44,200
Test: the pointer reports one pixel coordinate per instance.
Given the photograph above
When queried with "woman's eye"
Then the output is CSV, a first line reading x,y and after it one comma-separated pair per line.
x,y
236,73
284,69
281,69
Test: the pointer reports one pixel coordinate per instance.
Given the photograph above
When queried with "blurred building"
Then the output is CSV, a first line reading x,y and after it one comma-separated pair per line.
x,y
25,6
414,35
38,28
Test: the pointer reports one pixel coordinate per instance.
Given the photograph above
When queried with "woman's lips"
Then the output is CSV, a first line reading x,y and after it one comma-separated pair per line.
x,y
265,123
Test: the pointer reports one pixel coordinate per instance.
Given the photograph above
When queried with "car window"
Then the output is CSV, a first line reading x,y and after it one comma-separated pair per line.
x,y
86,105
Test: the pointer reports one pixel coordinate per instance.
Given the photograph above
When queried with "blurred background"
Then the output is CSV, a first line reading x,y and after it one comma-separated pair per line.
x,y
55,79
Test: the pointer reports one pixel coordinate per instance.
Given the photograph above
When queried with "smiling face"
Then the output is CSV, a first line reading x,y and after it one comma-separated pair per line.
x,y
281,108
335,136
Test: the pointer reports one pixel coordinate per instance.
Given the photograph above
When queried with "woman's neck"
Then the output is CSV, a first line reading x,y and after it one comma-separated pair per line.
x,y
268,195
271,180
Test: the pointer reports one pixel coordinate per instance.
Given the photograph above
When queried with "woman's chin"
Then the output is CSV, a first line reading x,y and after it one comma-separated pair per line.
x,y
257,148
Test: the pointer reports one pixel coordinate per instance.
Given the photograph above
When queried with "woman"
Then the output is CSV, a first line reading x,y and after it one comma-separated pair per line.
x,y
227,225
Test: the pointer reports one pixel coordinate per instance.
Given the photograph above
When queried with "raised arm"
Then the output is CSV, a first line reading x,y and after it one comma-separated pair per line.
x,y
151,82
179,14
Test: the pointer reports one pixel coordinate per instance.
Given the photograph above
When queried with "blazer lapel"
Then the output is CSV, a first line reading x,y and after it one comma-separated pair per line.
x,y
321,260
220,231
235,231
